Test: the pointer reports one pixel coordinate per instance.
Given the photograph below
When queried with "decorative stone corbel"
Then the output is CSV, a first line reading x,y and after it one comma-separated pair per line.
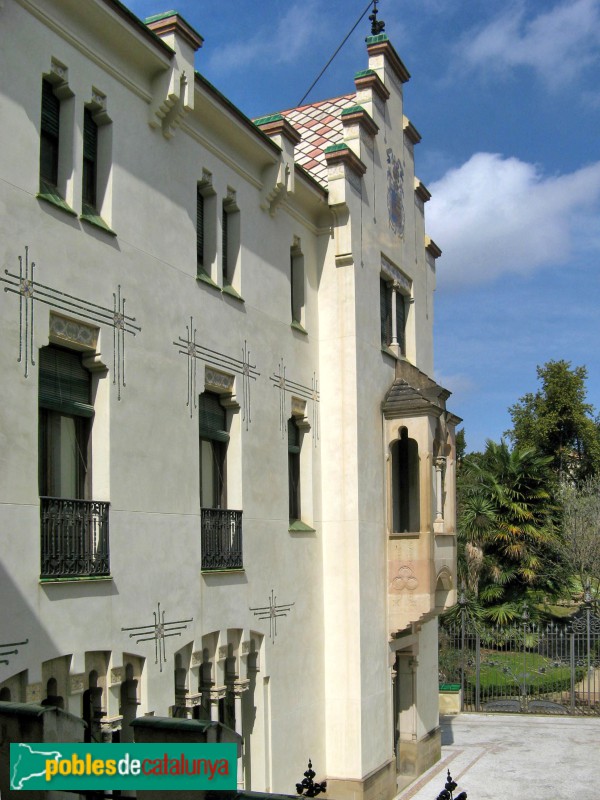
x,y
173,91
279,179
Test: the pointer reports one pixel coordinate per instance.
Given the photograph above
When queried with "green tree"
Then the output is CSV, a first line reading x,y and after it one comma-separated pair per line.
x,y
581,531
559,422
509,546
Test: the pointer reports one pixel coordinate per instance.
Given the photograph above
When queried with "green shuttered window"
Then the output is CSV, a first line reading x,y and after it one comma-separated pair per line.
x,y
293,469
212,418
200,228
225,247
65,384
90,158
49,135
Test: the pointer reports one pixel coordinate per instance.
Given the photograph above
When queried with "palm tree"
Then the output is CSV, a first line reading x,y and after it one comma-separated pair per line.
x,y
509,543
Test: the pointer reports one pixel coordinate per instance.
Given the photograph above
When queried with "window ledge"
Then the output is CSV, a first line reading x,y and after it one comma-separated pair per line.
x,y
404,535
297,526
78,579
55,199
231,571
388,352
228,289
92,218
298,327
205,278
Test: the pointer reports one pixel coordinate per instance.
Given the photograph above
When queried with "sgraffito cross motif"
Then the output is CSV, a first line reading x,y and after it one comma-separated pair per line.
x,y
4,652
158,632
286,385
31,291
272,612
194,352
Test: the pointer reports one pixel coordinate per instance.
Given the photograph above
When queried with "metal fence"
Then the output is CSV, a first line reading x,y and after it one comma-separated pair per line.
x,y
548,669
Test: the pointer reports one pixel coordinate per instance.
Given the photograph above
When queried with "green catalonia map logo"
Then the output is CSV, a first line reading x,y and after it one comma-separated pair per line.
x,y
72,767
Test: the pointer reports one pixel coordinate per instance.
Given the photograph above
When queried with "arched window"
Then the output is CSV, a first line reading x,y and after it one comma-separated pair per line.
x,y
405,485
180,680
52,697
129,703
92,709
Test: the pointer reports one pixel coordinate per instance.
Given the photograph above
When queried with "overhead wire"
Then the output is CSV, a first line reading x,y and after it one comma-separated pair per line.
x,y
320,75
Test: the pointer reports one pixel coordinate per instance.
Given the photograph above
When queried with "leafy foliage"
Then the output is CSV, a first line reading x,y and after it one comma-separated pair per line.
x,y
506,528
581,531
559,422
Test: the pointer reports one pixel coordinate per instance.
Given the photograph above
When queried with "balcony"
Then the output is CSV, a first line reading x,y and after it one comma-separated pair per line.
x,y
221,539
74,538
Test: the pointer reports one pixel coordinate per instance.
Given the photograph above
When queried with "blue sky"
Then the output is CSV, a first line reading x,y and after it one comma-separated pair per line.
x,y
506,96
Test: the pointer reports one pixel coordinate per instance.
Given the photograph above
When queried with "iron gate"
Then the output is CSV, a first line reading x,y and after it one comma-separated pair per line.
x,y
548,669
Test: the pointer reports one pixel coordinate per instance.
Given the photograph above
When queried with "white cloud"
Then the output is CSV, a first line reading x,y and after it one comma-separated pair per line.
x,y
292,37
558,44
458,383
495,215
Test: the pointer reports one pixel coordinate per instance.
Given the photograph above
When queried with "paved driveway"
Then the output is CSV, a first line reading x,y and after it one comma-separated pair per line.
x,y
516,757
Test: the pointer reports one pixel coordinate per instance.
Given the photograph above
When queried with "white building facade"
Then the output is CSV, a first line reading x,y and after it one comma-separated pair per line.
x,y
226,472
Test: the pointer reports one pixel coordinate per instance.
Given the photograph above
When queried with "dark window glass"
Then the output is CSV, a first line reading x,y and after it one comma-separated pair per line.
x,y
200,228
64,424
225,248
385,307
49,133
90,158
401,322
213,449
405,485
294,469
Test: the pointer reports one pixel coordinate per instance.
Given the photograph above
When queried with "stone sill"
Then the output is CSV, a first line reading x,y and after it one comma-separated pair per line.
x,y
229,290
297,526
77,579
296,326
233,570
96,220
56,201
205,278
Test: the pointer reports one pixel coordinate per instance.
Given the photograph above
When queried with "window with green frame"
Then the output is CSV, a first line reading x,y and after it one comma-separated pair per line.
x,y
294,444
90,163
49,138
65,422
213,449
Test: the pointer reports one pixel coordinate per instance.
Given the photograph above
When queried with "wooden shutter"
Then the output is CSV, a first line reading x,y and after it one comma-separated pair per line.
x,y
90,158
293,437
224,247
49,132
64,383
385,304
200,228
211,416
401,322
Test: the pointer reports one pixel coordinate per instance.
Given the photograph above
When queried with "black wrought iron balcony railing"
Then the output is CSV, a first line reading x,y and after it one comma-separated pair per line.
x,y
221,538
74,538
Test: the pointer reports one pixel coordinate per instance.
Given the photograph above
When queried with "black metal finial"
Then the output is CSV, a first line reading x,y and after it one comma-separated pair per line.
x,y
447,791
308,787
377,25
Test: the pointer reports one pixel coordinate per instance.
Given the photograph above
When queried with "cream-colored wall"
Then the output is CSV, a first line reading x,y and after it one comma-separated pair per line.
x,y
323,686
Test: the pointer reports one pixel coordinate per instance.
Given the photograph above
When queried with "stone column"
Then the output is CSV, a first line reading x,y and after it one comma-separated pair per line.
x,y
215,694
238,688
394,342
440,465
